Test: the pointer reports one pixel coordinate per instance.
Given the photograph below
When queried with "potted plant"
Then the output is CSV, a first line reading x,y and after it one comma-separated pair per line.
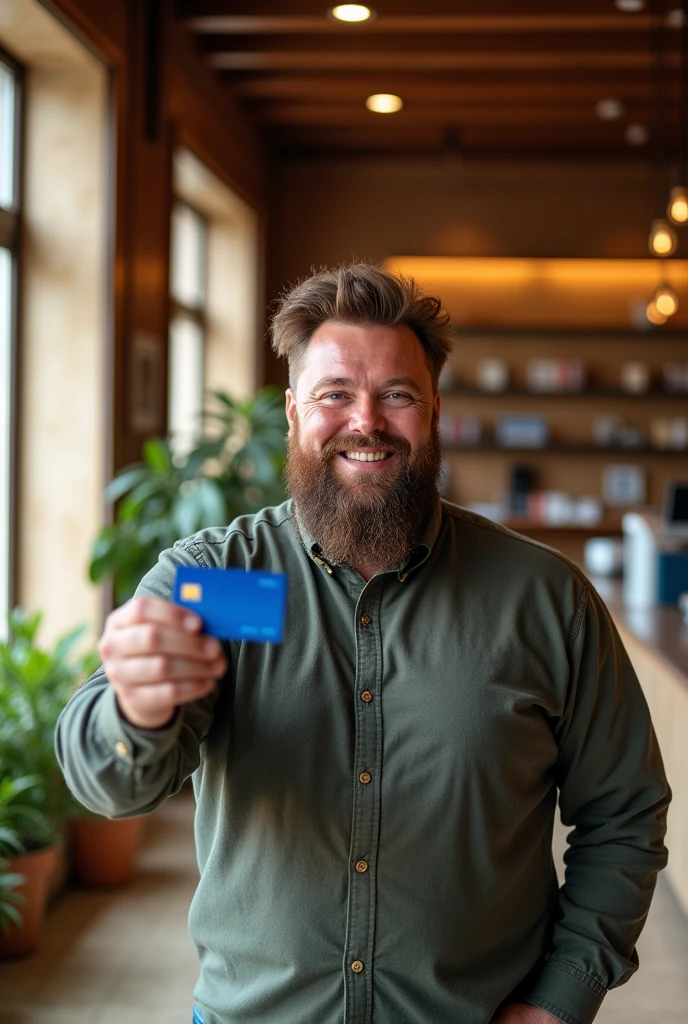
x,y
104,851
35,684
10,899
234,468
28,856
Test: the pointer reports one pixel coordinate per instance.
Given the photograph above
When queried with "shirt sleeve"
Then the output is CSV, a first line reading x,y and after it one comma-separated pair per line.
x,y
614,793
112,767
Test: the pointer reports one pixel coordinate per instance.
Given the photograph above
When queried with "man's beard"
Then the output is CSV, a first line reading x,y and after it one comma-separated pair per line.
x,y
372,521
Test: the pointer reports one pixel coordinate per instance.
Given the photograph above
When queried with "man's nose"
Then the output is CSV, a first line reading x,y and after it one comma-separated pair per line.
x,y
367,416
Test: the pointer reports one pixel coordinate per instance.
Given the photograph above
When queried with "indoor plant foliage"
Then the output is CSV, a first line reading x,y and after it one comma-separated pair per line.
x,y
234,468
35,684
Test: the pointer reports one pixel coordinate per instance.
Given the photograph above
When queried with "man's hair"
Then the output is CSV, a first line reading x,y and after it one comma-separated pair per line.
x,y
361,294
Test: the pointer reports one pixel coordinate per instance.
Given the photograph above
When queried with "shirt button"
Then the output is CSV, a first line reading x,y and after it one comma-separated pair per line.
x,y
361,866
365,619
404,576
366,696
357,966
121,749
365,778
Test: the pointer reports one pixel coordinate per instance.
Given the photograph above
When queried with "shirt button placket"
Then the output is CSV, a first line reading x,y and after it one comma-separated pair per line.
x,y
365,818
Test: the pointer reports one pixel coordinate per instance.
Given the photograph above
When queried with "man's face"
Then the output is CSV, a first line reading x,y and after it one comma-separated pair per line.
x,y
364,453
358,384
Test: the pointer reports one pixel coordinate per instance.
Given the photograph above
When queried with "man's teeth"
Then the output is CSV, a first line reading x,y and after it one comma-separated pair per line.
x,y
367,456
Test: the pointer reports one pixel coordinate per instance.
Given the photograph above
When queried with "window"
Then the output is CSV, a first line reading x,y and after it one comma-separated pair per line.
x,y
10,92
188,325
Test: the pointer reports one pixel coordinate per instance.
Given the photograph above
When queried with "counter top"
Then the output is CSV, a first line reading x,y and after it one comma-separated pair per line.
x,y
661,628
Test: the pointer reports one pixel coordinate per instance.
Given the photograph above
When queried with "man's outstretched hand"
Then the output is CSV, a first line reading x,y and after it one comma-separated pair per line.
x,y
156,658
523,1013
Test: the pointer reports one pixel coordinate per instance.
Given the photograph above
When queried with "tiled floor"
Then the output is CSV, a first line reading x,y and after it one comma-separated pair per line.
x,y
125,957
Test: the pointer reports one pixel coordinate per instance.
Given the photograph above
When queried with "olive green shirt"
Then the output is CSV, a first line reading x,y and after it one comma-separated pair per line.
x,y
376,795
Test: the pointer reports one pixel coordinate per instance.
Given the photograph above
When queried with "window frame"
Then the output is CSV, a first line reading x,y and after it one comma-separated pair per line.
x,y
11,226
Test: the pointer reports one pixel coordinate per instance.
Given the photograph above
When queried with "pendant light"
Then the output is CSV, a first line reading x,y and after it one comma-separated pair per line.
x,y
662,241
666,300
677,210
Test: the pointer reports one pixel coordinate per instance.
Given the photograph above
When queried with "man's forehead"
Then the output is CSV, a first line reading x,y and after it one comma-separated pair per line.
x,y
345,353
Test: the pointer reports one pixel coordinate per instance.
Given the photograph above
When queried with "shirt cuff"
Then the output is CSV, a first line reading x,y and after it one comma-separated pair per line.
x,y
131,745
566,992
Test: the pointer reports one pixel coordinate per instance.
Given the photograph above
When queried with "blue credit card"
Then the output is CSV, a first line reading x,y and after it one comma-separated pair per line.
x,y
234,604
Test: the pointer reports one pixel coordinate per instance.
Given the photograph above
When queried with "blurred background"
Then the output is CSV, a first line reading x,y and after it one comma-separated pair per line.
x,y
166,170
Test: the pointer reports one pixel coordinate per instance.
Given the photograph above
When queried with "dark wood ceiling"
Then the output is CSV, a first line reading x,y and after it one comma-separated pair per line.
x,y
477,77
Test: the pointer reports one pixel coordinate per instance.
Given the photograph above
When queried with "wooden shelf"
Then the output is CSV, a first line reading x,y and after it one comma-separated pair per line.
x,y
608,524
600,392
566,449
521,333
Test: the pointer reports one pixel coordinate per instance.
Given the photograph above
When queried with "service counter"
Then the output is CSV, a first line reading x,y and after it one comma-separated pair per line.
x,y
657,642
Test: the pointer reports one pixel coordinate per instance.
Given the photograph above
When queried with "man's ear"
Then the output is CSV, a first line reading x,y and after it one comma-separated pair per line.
x,y
436,404
290,407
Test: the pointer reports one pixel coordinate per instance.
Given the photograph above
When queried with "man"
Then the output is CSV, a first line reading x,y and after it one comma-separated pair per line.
x,y
376,795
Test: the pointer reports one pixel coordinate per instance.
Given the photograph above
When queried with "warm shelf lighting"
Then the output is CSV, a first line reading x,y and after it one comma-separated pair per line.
x,y
609,109
665,300
636,134
678,204
384,103
662,239
351,13
629,6
654,315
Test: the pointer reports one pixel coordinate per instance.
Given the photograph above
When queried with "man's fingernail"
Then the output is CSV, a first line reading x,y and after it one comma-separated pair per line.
x,y
191,622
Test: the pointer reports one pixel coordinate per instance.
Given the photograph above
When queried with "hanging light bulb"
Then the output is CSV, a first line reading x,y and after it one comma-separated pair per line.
x,y
662,239
666,300
678,204
654,315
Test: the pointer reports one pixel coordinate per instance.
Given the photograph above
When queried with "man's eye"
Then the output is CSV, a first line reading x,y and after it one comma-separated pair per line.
x,y
399,396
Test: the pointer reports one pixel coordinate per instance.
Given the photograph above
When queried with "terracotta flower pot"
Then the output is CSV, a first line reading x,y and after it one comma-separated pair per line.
x,y
104,851
37,868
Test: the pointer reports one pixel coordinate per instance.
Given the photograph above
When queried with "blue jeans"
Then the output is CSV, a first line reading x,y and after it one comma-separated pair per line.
x,y
197,1016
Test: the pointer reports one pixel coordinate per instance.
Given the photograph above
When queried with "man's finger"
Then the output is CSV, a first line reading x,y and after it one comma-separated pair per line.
x,y
151,638
162,668
154,609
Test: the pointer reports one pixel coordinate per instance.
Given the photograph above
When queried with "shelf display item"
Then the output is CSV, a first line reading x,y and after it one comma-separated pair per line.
x,y
514,431
635,377
492,375
555,375
675,376
624,485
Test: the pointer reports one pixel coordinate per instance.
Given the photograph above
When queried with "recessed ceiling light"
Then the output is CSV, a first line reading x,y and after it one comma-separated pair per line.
x,y
629,6
609,110
636,134
384,103
351,12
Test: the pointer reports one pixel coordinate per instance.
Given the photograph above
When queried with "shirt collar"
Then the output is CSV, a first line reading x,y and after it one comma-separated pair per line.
x,y
415,558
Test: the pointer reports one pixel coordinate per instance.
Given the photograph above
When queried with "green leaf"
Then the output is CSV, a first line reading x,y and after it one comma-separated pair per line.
x,y
157,454
125,481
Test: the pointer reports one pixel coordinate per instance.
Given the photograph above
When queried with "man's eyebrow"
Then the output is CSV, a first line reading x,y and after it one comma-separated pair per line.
x,y
404,382
331,382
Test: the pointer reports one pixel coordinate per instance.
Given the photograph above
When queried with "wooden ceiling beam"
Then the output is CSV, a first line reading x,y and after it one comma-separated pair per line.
x,y
474,139
188,9
480,89
514,61
322,115
417,24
